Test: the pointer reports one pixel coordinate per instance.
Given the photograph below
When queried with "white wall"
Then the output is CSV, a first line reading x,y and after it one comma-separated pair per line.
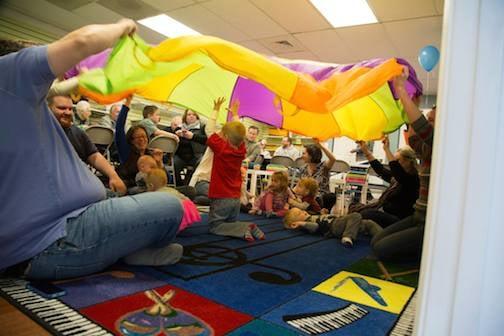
x,y
461,290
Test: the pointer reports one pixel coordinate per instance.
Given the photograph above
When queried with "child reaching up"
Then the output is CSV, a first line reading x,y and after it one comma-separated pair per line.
x,y
156,180
305,193
274,200
345,227
226,180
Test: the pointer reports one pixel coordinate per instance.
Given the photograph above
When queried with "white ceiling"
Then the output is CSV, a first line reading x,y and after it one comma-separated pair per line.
x,y
405,26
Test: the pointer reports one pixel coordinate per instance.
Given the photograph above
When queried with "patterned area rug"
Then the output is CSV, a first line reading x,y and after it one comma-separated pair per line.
x,y
291,283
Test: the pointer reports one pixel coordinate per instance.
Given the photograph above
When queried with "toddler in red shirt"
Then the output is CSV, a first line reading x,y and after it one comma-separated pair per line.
x,y
226,180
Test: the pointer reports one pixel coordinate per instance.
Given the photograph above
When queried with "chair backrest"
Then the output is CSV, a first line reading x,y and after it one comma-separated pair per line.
x,y
282,160
299,163
340,166
166,144
100,135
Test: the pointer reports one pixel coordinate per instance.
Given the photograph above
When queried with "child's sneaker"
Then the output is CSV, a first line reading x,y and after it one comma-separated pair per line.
x,y
347,241
256,232
248,236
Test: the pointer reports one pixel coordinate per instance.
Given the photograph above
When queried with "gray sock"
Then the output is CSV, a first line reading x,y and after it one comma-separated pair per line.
x,y
161,256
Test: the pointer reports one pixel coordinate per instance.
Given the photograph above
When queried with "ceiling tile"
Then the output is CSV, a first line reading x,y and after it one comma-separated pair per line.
x,y
206,22
257,47
165,6
410,36
133,9
439,4
391,10
245,17
48,31
282,44
70,5
327,46
367,41
49,13
294,15
300,55
99,14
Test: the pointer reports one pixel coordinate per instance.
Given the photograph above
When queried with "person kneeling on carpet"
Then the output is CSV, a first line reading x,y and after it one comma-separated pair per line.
x,y
225,182
344,227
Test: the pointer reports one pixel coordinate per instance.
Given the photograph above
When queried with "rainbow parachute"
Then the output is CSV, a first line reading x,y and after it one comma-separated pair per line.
x,y
313,99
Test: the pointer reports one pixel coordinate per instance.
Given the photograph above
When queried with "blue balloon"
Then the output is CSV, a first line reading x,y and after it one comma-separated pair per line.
x,y
428,57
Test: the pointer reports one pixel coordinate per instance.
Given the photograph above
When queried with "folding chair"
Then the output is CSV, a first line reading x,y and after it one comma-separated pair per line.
x,y
340,166
282,160
102,137
169,147
299,163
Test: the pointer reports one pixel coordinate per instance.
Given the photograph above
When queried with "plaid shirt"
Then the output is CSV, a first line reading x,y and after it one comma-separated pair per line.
x,y
421,142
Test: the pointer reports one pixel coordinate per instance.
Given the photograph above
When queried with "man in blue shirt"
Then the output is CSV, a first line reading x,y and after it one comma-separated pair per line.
x,y
61,106
54,220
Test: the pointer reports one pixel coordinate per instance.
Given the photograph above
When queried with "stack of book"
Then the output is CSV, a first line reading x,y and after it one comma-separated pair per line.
x,y
357,175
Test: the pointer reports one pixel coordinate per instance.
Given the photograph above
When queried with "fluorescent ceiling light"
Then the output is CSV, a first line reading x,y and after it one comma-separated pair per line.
x,y
344,13
167,26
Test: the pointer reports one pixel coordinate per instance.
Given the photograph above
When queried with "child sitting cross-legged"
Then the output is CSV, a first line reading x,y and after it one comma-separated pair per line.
x,y
274,200
305,193
345,227
156,180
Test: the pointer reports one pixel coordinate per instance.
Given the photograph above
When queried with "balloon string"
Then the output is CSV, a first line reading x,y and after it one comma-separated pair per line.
x,y
427,90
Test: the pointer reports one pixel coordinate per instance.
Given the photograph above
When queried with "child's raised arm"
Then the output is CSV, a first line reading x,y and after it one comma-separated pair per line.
x,y
212,120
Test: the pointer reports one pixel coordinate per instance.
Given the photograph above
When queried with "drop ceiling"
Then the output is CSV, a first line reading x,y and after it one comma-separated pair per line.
x,y
284,28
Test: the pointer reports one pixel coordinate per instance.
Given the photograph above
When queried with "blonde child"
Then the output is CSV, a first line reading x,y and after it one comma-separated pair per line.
x,y
274,200
346,227
225,183
156,180
145,164
305,193
246,197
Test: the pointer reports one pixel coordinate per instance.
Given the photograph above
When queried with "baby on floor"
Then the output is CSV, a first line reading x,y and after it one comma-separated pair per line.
x,y
345,227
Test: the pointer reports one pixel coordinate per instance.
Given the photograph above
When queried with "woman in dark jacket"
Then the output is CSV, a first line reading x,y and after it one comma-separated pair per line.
x,y
130,146
398,199
192,144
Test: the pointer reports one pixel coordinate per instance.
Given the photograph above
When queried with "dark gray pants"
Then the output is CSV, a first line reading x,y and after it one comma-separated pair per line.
x,y
350,225
400,241
222,218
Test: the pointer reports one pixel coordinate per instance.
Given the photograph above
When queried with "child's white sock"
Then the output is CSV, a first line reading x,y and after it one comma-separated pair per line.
x,y
347,241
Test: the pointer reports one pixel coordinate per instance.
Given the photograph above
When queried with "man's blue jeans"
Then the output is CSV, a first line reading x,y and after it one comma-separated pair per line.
x,y
107,231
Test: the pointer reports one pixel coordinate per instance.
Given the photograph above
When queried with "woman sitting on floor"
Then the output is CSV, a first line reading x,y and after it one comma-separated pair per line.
x,y
397,201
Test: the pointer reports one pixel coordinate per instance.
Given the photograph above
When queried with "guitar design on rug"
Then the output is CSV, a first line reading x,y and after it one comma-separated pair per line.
x,y
162,319
368,288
